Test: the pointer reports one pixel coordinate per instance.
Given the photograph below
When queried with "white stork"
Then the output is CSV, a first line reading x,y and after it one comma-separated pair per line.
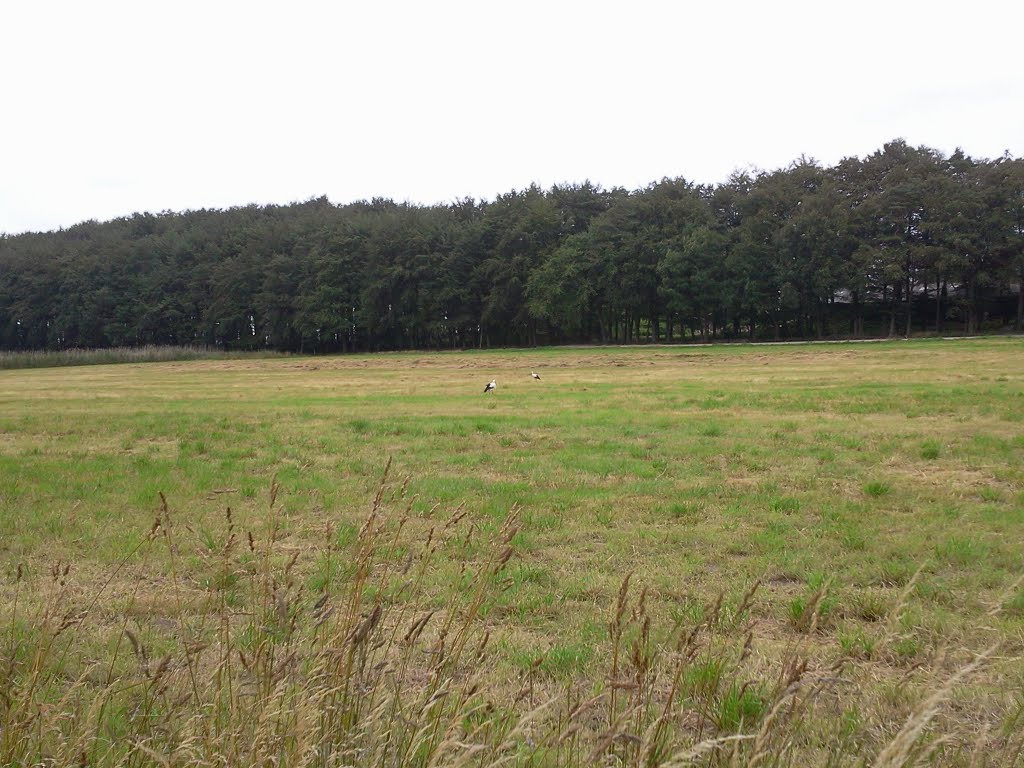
x,y
535,375
491,387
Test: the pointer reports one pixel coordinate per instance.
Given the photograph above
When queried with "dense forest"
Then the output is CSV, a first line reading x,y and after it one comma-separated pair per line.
x,y
903,241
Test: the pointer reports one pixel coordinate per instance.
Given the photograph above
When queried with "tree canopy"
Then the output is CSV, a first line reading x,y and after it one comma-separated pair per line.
x,y
903,240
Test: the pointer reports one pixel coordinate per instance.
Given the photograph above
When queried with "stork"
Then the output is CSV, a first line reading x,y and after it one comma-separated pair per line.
x,y
491,387
535,375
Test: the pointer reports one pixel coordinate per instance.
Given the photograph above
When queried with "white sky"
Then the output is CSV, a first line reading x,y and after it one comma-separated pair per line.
x,y
107,108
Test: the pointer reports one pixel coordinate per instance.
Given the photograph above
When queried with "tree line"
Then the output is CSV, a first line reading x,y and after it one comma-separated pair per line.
x,y
904,240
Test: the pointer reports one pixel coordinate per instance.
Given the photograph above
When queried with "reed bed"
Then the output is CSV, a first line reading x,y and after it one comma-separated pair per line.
x,y
145,354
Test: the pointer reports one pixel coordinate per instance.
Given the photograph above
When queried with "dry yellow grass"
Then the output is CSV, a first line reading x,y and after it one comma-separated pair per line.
x,y
699,470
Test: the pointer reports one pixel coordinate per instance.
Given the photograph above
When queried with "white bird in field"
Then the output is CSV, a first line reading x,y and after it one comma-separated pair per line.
x,y
491,387
535,375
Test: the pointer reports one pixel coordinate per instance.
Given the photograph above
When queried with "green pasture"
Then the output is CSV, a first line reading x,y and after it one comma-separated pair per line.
x,y
700,470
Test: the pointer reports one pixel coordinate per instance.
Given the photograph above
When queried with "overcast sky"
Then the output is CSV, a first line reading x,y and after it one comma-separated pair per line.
x,y
114,107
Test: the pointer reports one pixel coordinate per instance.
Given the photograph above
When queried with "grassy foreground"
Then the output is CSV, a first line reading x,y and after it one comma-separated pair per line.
x,y
804,555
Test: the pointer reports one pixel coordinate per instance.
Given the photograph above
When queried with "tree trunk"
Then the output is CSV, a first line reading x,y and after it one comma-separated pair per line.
x,y
668,327
910,305
943,296
858,319
972,308
1020,302
892,310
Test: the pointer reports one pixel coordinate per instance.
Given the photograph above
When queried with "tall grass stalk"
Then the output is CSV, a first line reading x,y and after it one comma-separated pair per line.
x,y
381,666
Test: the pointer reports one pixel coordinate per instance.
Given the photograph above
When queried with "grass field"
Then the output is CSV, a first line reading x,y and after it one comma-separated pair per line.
x,y
872,496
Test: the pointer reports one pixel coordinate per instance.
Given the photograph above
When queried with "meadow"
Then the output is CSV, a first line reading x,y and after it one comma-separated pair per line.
x,y
728,555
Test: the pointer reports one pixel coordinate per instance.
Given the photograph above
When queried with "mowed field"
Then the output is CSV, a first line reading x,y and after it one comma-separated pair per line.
x,y
872,493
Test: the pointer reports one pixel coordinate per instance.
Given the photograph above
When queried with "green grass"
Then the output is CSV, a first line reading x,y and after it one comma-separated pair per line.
x,y
829,473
